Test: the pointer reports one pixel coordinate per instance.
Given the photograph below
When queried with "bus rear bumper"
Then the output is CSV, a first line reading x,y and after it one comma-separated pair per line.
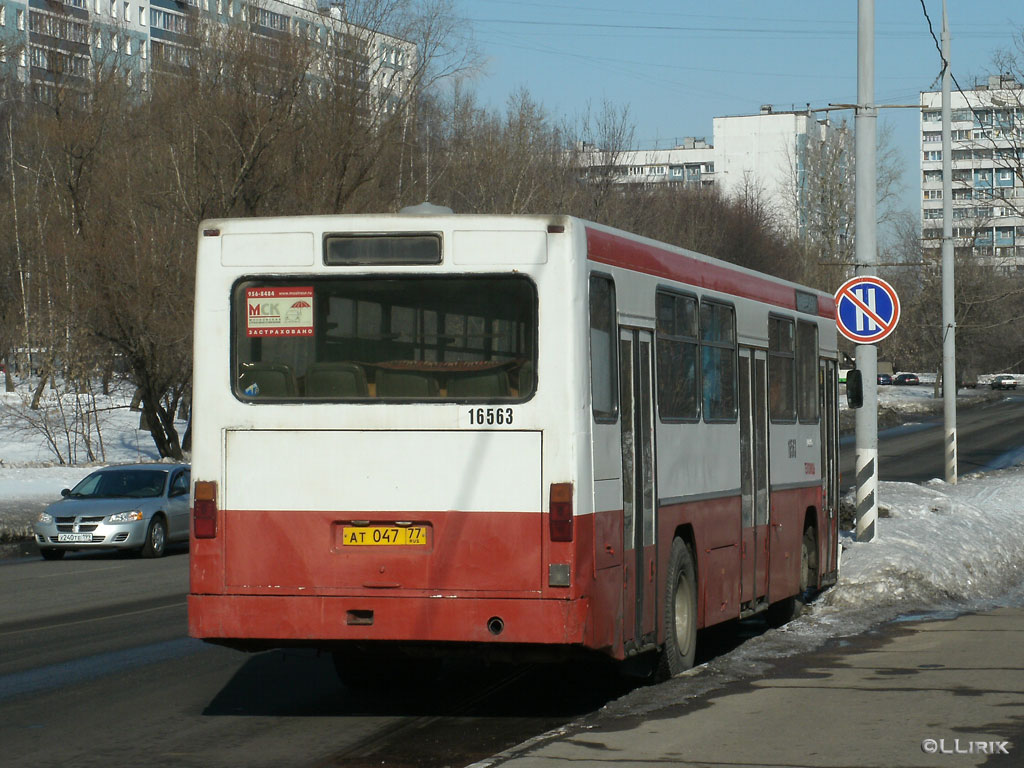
x,y
285,620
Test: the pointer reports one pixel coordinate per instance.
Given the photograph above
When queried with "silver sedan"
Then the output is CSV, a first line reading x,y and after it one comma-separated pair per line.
x,y
135,506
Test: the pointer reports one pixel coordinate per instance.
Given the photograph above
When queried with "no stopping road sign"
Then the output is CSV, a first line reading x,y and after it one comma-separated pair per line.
x,y
867,309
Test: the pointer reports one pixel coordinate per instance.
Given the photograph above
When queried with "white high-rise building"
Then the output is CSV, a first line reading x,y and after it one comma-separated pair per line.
x,y
53,42
987,162
763,154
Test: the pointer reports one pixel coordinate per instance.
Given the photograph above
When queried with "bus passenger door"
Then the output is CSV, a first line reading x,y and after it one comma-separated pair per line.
x,y
829,463
637,419
753,476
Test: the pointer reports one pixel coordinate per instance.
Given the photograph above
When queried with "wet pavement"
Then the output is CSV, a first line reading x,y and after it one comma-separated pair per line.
x,y
912,693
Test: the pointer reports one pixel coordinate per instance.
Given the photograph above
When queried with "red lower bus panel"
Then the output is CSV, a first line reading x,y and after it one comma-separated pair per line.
x,y
587,613
284,552
414,619
789,511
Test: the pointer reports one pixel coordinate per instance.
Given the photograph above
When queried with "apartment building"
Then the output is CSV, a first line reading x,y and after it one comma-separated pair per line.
x,y
60,40
765,153
987,160
692,162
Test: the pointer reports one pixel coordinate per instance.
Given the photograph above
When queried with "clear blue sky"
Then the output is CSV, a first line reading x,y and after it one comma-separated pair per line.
x,y
678,64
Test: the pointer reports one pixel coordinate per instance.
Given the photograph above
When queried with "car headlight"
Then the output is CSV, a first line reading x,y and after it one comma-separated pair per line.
x,y
126,517
45,518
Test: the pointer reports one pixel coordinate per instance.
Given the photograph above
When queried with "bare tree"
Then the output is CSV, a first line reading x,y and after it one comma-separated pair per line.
x,y
604,136
820,198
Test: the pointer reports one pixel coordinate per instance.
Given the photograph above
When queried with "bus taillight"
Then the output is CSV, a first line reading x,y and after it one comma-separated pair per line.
x,y
560,514
204,510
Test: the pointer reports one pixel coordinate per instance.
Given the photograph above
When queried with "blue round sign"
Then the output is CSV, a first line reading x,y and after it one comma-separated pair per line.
x,y
867,309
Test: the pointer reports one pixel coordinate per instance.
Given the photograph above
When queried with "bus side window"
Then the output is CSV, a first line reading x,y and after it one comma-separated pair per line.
x,y
807,372
781,369
677,345
718,360
603,371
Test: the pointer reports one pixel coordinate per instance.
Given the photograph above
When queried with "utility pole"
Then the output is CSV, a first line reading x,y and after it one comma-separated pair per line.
x,y
948,308
866,256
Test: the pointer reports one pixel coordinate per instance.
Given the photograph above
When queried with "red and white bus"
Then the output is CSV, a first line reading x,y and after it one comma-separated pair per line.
x,y
425,433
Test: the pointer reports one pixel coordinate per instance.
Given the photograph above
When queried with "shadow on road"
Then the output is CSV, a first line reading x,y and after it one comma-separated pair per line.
x,y
301,682
304,683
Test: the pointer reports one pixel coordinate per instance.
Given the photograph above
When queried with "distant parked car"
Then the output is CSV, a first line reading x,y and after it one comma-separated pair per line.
x,y
132,506
906,379
1003,381
968,378
884,378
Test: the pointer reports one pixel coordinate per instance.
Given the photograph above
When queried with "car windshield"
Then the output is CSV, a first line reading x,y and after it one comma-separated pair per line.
x,y
114,484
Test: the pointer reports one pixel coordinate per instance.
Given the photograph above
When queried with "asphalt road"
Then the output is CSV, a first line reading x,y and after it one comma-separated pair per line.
x,y
988,437
96,668
923,693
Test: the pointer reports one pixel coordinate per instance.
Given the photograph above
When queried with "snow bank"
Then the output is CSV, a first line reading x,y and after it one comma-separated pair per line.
x,y
31,472
941,545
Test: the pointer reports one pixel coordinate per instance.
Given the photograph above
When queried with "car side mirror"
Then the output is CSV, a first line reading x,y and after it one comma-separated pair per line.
x,y
65,492
854,389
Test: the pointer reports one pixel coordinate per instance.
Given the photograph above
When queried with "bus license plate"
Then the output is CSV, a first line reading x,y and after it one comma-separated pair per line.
x,y
384,536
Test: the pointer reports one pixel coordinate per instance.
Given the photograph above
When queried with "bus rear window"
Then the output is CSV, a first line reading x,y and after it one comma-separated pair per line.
x,y
351,250
372,338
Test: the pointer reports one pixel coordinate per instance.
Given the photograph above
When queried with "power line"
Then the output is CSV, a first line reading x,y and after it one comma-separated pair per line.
x,y
945,65
777,32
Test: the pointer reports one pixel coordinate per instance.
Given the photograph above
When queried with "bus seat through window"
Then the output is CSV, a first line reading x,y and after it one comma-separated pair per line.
x,y
486,384
405,384
524,381
266,380
335,380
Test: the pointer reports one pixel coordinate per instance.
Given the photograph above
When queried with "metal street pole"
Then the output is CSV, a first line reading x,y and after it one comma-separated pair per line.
x,y
865,127
948,308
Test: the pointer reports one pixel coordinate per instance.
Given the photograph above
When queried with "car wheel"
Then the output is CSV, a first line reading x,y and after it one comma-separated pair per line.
x,y
156,538
680,613
52,554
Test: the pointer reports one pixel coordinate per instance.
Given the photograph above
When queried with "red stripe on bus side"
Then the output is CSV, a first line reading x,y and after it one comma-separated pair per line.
x,y
619,251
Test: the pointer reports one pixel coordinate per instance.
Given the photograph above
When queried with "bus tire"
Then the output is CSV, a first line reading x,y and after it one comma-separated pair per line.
x,y
680,613
786,610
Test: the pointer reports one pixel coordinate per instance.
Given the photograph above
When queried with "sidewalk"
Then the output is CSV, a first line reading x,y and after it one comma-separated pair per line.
x,y
916,693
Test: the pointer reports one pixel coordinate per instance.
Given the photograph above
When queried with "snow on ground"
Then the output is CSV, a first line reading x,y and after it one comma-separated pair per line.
x,y
942,551
31,470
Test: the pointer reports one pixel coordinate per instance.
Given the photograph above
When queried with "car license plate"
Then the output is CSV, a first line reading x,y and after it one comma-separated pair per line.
x,y
74,538
384,535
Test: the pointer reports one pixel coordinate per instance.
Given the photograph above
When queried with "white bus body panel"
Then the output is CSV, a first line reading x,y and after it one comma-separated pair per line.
x,y
383,471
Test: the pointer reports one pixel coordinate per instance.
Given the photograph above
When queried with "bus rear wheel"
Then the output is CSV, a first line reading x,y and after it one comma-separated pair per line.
x,y
680,613
786,610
